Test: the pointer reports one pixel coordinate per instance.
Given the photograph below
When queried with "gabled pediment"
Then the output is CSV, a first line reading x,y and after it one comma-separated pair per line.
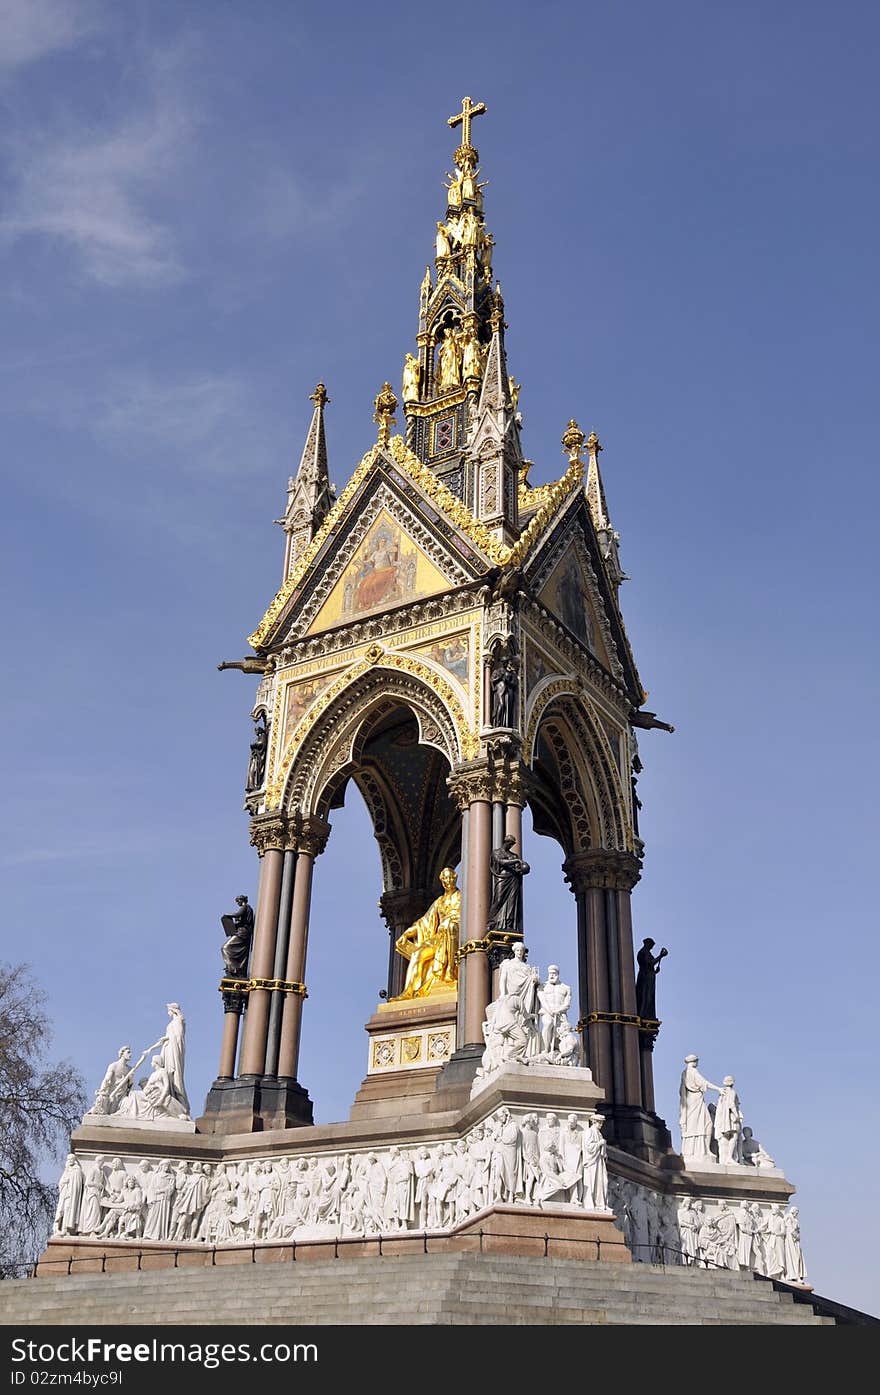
x,y
567,575
396,534
564,577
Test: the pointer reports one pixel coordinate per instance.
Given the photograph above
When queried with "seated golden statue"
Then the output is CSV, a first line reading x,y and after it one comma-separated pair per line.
x,y
431,942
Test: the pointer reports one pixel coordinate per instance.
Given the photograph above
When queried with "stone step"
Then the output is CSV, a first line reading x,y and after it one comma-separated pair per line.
x,y
450,1288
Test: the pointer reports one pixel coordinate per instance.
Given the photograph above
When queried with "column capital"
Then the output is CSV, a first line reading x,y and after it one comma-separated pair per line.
x,y
269,832
289,833
401,906
600,867
471,781
310,835
495,781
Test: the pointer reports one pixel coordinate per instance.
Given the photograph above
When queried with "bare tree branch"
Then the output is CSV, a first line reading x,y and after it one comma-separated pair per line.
x,y
40,1105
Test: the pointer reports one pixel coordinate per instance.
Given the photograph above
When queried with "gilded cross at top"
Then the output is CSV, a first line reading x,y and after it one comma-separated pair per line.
x,y
469,109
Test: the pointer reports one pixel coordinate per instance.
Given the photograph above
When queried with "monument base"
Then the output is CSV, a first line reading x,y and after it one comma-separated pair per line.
x,y
409,1043
250,1105
640,1132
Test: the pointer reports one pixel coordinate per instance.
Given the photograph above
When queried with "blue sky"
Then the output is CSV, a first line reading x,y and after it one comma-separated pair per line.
x,y
206,207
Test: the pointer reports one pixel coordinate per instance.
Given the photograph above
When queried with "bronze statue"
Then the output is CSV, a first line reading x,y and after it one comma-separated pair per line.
x,y
646,981
430,943
257,762
508,870
239,929
504,682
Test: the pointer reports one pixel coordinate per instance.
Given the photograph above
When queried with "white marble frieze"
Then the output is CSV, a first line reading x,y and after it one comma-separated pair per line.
x,y
514,1156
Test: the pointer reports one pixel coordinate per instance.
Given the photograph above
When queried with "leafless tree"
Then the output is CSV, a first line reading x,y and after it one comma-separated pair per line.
x,y
39,1105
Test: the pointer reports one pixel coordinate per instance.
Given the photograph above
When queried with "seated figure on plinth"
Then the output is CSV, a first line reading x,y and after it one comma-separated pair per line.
x,y
430,944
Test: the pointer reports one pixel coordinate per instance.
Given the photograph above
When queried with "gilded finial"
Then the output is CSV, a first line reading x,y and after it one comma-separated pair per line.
x,y
463,119
496,314
384,407
594,445
572,440
319,396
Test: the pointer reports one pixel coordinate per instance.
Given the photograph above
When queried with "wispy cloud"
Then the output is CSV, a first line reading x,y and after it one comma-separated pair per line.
x,y
95,191
208,419
32,29
283,205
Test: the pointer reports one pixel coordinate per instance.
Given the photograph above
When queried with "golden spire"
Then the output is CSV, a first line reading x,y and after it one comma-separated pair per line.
x,y
384,407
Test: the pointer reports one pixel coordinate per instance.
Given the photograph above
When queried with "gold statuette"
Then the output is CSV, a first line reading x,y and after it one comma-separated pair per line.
x,y
430,944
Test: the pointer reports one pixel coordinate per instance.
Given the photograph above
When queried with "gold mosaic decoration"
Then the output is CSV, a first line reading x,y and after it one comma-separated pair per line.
x,y
553,496
467,736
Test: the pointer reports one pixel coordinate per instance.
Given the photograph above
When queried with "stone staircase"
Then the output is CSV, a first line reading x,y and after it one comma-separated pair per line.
x,y
442,1289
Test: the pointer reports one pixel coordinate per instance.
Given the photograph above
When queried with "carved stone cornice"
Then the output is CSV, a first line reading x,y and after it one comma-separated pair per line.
x,y
600,868
383,627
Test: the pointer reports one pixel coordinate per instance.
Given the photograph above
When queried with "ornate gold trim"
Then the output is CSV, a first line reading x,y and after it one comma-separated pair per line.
x,y
497,552
557,493
622,1019
472,947
235,985
279,985
468,739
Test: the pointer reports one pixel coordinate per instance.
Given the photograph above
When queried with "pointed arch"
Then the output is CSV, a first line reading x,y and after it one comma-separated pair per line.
x,y
571,757
340,724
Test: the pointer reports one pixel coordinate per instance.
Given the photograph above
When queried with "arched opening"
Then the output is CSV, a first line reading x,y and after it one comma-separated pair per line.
x,y
391,786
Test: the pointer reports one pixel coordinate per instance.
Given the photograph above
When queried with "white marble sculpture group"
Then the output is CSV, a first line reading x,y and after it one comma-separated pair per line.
x,y
160,1098
527,1021
714,1134
710,1233
511,1157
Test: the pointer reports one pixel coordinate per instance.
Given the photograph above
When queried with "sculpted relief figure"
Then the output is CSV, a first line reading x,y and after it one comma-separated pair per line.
x,y
694,1118
727,1125
173,1056
510,1029
431,942
795,1269
558,1039
115,1084
70,1195
155,1100
752,1153
595,1151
